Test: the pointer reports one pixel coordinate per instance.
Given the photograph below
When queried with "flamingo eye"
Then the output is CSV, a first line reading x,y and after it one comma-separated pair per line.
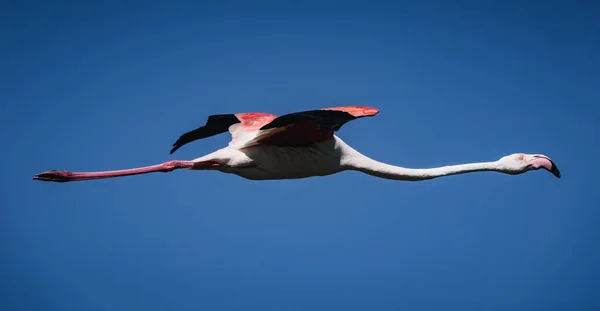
x,y
521,157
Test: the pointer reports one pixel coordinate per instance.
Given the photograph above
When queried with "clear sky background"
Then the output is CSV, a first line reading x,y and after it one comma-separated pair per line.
x,y
112,85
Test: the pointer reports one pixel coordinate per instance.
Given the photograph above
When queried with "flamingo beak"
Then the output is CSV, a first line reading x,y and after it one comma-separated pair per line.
x,y
542,161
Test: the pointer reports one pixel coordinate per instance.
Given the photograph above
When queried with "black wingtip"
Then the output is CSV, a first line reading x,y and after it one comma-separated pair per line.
x,y
175,147
216,124
186,138
555,170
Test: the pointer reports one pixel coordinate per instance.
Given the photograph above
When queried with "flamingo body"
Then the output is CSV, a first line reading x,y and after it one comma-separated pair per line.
x,y
263,162
296,145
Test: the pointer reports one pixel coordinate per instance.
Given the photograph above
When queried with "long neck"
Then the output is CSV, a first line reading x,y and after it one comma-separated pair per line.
x,y
359,162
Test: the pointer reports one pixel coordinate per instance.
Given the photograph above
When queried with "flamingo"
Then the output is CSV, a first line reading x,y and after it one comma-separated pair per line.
x,y
299,145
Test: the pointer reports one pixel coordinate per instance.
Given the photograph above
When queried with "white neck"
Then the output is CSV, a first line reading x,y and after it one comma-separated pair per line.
x,y
359,162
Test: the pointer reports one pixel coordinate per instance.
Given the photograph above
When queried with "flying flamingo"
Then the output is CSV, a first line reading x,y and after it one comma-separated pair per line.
x,y
299,145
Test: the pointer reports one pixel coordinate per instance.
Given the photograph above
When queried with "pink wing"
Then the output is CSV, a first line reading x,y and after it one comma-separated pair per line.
x,y
294,129
253,121
307,127
250,122
356,111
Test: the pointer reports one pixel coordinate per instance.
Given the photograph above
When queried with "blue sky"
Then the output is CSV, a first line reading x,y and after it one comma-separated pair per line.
x,y
112,85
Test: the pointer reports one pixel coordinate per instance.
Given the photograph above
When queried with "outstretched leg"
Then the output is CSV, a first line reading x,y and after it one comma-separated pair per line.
x,y
65,176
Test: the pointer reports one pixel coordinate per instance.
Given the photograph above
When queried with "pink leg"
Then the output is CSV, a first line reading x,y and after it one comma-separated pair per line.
x,y
65,176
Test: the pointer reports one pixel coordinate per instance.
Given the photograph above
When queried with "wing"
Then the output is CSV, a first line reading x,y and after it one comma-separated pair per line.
x,y
236,124
307,127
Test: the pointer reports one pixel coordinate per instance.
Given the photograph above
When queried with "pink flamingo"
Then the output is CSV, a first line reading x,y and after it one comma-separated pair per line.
x,y
299,145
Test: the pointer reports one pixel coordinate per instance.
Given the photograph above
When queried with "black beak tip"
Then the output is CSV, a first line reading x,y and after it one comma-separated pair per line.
x,y
555,170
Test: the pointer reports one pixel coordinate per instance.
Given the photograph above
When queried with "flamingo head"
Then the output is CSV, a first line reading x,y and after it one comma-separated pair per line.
x,y
519,163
